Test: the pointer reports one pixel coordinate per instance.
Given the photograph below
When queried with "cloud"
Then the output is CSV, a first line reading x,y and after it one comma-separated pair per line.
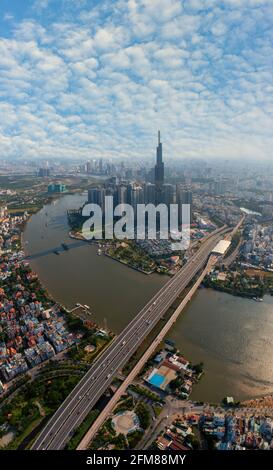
x,y
8,17
102,81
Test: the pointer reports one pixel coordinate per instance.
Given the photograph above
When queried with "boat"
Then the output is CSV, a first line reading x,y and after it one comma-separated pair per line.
x,y
258,299
99,252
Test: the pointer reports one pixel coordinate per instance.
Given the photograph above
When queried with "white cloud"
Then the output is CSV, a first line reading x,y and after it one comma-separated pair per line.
x,y
102,82
8,16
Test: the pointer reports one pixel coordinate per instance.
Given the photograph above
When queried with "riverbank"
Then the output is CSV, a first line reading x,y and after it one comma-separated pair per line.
x,y
128,264
104,248
240,282
231,335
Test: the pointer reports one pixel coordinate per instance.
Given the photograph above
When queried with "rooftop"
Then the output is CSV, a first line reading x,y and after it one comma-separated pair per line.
x,y
221,247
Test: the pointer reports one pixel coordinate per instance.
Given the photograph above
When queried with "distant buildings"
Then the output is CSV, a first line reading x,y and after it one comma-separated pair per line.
x,y
43,172
97,196
183,196
149,193
144,192
56,188
94,167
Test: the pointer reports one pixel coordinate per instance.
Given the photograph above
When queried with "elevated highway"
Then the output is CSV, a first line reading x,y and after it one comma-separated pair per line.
x,y
87,392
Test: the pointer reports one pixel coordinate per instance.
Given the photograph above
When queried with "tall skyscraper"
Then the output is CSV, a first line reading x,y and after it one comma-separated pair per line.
x,y
159,172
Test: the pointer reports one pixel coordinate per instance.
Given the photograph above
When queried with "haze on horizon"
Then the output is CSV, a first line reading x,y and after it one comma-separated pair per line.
x,y
90,79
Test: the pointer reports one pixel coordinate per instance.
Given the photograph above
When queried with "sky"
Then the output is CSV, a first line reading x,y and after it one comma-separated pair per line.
x,y
89,79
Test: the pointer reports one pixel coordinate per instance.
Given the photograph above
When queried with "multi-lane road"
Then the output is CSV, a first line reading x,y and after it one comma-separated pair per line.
x,y
84,396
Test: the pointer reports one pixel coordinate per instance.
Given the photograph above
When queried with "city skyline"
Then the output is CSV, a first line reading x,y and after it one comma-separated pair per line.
x,y
97,79
136,230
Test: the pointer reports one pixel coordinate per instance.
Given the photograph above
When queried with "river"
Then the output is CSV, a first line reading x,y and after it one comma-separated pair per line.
x,y
231,335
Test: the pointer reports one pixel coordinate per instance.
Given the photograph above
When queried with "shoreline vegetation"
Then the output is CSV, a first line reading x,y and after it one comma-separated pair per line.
x,y
116,251
247,283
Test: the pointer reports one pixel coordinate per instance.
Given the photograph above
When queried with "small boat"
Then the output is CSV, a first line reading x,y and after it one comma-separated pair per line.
x,y
99,252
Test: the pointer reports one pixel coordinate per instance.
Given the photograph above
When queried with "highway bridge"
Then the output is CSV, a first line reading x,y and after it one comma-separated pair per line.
x,y
87,392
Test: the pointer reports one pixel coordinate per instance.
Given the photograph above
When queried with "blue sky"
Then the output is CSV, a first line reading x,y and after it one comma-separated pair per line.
x,y
88,79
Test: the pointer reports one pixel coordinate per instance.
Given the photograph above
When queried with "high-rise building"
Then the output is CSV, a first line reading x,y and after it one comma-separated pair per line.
x,y
159,172
88,167
121,194
149,193
56,188
137,197
44,172
168,194
129,190
97,196
183,196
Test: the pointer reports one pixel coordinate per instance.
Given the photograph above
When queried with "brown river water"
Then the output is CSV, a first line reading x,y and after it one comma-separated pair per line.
x,y
232,336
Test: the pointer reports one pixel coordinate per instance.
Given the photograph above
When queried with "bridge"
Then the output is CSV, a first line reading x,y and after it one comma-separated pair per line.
x,y
87,392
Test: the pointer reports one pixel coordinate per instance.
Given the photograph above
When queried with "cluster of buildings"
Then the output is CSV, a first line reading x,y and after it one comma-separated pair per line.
x,y
219,430
236,432
218,208
257,249
176,437
31,330
56,188
100,167
171,373
32,335
153,191
9,229
43,172
156,248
